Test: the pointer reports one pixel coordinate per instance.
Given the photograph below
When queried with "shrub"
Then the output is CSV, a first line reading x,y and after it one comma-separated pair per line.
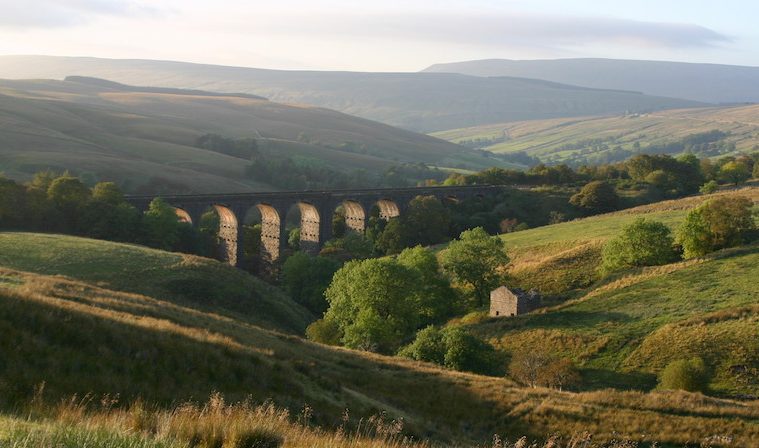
x,y
468,353
536,367
324,331
427,346
351,246
641,243
684,374
709,187
716,224
454,348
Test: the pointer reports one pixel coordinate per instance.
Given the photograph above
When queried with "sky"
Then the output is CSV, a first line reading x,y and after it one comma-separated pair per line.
x,y
387,35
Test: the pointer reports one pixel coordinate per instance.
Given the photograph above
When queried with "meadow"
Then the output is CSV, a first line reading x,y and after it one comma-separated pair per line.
x,y
553,140
623,329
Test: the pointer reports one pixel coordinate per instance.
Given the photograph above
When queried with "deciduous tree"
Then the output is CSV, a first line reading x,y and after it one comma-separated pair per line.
x,y
475,260
374,304
596,196
641,243
716,224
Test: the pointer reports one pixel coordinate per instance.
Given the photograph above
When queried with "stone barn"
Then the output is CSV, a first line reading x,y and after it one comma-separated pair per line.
x,y
507,302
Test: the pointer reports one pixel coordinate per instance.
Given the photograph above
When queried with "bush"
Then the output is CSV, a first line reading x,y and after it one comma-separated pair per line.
x,y
325,332
684,374
641,243
468,353
709,187
716,224
351,246
454,348
428,346
536,367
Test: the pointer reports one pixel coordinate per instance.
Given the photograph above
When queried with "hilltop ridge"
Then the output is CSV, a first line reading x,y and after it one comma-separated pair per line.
x,y
421,102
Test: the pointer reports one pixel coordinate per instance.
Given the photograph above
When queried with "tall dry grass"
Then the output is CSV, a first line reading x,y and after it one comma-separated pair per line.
x,y
85,421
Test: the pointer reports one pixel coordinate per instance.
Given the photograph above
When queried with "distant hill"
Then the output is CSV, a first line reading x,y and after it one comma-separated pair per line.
x,y
710,83
417,101
144,137
602,139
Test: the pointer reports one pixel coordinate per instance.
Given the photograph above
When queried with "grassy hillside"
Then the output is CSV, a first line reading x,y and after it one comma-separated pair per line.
x,y
140,136
185,280
418,101
570,140
86,333
562,258
711,83
623,330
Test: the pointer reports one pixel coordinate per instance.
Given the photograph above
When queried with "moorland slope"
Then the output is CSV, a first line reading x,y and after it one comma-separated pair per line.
x,y
624,329
418,101
711,83
117,329
138,136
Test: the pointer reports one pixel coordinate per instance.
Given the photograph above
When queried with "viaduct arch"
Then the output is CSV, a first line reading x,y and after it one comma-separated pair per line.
x,y
316,210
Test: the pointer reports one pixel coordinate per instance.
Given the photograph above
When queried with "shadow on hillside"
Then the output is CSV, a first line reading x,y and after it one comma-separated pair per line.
x,y
99,350
562,319
594,379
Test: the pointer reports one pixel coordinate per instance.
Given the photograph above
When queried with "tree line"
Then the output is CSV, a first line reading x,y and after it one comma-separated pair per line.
x,y
665,174
62,203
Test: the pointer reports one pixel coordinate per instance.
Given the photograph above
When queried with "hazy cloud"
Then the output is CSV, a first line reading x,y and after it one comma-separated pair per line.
x,y
63,13
501,29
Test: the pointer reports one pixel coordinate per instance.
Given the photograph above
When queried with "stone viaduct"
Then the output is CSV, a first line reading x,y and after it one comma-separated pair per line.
x,y
316,210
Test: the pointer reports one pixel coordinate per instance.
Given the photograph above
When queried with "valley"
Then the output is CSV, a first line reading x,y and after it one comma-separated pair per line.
x,y
592,140
212,328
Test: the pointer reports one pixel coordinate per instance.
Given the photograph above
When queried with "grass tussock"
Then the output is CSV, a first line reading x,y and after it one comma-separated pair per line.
x,y
214,424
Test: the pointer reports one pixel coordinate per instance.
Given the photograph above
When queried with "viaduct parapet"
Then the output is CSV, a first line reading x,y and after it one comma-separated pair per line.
x,y
316,211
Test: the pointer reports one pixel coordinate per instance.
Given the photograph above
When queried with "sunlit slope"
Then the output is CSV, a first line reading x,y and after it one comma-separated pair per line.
x,y
563,258
147,136
624,329
548,139
419,101
187,280
88,337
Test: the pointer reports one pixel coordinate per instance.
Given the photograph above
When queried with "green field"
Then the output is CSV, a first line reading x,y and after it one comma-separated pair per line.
x,y
545,139
624,329
106,318
183,279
